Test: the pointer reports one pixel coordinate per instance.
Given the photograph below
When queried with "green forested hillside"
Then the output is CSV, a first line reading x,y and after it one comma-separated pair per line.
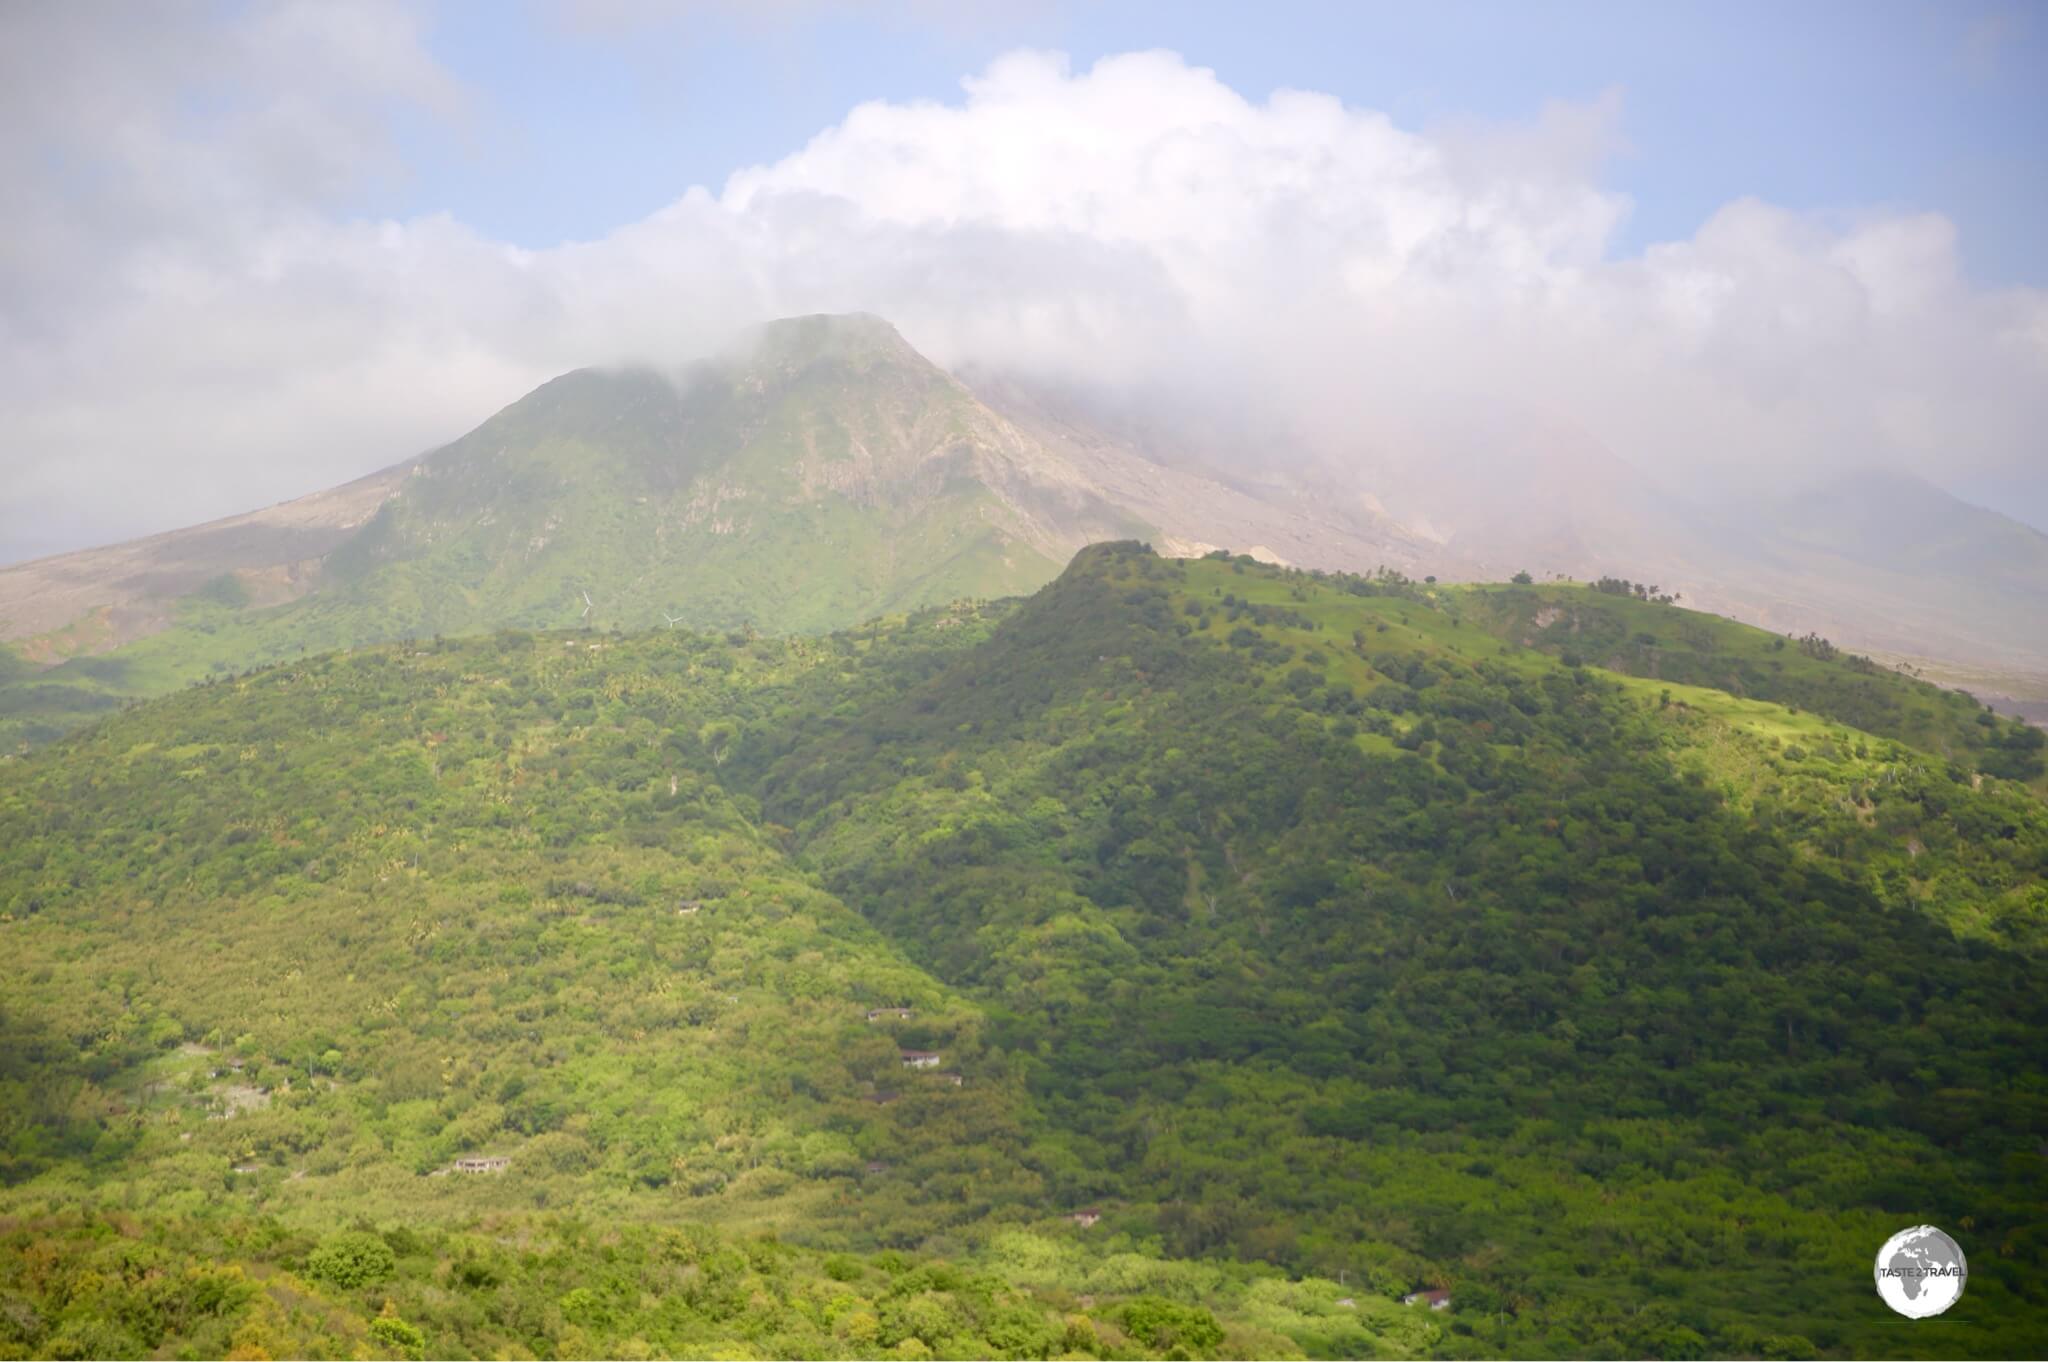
x,y
1326,943
1613,629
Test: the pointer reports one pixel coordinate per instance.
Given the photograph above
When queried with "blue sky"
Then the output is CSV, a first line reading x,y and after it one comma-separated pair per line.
x,y
596,119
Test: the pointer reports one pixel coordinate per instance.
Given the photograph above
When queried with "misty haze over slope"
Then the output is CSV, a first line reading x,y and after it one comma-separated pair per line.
x,y
819,471
1880,560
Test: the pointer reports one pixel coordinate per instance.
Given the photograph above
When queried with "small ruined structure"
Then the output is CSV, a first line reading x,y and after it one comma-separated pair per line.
x,y
236,1098
955,1079
1435,1300
486,1165
688,907
922,1059
888,1014
1085,1218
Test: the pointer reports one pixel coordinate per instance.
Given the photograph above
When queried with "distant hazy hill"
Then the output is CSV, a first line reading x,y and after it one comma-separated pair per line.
x,y
1871,559
822,474
1321,936
1915,569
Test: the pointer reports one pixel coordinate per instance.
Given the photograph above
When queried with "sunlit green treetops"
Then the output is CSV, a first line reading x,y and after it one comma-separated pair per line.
x,y
1319,935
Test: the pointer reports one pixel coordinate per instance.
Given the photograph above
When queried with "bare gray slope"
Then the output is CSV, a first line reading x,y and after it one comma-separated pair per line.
x,y
1890,563
125,589
1195,511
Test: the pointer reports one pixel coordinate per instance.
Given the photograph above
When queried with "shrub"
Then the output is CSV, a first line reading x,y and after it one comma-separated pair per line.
x,y
1021,1331
395,1334
584,1307
352,1259
1166,1325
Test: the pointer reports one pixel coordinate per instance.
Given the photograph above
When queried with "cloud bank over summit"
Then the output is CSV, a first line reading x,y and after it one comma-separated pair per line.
x,y
190,324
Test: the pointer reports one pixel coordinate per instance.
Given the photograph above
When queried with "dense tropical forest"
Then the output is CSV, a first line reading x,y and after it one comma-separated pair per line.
x,y
1193,959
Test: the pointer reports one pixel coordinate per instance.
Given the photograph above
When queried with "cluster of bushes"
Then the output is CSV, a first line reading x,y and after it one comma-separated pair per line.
x,y
84,1287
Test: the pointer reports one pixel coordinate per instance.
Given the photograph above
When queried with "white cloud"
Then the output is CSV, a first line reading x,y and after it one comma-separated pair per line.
x,y
210,335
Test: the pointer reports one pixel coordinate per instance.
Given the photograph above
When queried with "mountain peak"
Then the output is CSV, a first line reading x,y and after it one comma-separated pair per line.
x,y
860,338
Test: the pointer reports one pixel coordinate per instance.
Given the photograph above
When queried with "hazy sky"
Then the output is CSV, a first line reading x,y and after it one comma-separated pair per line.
x,y
255,249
